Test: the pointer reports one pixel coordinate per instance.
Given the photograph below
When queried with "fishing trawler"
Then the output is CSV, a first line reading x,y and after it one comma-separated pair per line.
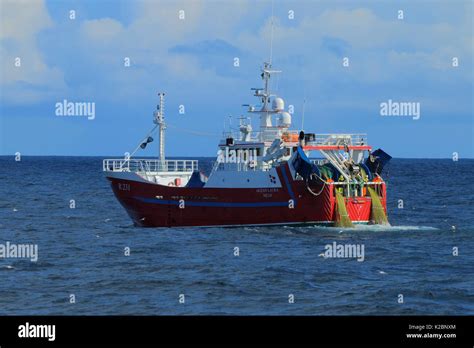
x,y
267,177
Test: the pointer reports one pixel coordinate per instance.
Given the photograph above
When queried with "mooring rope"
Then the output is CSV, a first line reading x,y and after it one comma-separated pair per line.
x,y
322,189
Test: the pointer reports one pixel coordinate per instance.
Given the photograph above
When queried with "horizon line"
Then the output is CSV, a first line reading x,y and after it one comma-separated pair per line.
x,y
119,157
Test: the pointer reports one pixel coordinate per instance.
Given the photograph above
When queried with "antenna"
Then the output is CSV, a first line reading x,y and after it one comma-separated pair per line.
x,y
302,118
271,38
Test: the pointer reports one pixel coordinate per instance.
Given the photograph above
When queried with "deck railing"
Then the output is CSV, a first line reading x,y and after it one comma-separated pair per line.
x,y
149,165
319,139
338,139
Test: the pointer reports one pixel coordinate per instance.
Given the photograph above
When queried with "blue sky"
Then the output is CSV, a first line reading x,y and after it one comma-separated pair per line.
x,y
192,61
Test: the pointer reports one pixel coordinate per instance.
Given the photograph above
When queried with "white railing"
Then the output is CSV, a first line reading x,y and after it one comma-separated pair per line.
x,y
236,135
149,165
319,139
339,139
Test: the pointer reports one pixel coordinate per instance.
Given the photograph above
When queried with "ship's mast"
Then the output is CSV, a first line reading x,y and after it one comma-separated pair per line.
x,y
265,94
265,112
160,121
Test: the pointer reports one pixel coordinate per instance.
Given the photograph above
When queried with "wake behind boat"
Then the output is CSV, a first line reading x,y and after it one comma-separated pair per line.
x,y
259,178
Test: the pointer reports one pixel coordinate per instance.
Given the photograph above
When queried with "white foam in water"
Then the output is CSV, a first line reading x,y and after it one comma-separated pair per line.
x,y
395,228
375,228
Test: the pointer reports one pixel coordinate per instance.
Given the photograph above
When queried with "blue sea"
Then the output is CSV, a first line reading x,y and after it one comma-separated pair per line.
x,y
81,251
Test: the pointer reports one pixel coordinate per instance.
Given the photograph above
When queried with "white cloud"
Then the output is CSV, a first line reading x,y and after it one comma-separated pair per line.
x,y
33,80
374,43
22,19
378,47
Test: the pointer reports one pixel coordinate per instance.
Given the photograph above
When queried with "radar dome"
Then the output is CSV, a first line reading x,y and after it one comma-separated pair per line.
x,y
285,119
278,104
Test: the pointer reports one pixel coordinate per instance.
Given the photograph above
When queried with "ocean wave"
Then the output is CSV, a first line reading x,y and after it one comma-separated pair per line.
x,y
374,228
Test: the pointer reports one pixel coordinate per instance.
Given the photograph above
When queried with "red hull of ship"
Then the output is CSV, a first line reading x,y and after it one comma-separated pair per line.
x,y
154,205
